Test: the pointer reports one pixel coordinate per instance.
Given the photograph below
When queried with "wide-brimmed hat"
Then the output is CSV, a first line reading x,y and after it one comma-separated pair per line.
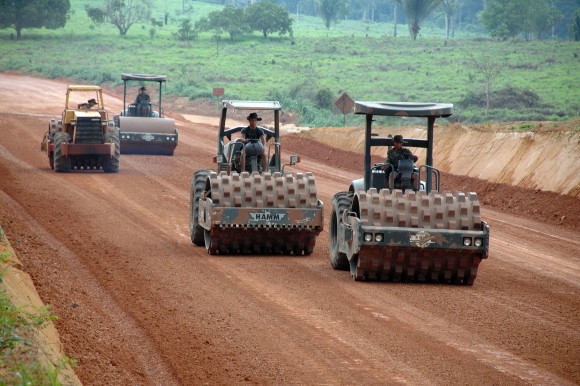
x,y
93,101
399,138
254,116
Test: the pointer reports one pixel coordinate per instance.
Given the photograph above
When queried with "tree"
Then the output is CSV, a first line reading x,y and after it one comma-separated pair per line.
x,y
330,10
395,3
269,17
450,8
575,26
489,68
417,11
536,19
501,18
22,14
230,19
368,8
504,19
185,31
121,13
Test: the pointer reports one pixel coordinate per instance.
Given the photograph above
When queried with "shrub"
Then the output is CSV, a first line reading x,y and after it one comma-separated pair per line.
x,y
509,97
324,98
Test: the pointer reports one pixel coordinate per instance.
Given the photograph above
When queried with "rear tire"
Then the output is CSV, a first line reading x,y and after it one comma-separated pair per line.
x,y
112,164
198,186
340,202
61,164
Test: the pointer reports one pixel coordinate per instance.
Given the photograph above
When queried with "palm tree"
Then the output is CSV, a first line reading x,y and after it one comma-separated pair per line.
x,y
330,10
416,12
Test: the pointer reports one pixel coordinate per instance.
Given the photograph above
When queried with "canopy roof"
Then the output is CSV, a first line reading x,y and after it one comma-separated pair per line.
x,y
252,105
404,109
144,77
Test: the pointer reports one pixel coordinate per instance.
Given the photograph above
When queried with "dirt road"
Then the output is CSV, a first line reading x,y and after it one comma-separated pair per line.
x,y
139,304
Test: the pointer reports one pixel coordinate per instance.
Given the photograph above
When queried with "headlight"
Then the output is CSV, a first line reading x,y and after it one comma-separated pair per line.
x,y
220,159
294,159
467,241
379,237
368,237
478,242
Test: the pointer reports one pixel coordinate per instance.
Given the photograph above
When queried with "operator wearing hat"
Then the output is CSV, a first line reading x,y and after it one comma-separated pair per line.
x,y
89,105
253,132
397,153
143,102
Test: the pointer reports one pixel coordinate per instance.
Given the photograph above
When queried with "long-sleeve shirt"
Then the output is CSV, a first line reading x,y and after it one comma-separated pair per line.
x,y
394,156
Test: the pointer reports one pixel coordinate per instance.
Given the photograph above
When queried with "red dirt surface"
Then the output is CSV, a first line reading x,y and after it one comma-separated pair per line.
x,y
139,304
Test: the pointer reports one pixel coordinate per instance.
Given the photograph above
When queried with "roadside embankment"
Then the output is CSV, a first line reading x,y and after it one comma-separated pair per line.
x,y
531,155
45,346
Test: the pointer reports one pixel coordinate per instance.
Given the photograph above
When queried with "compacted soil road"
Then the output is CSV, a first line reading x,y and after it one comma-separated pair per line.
x,y
139,304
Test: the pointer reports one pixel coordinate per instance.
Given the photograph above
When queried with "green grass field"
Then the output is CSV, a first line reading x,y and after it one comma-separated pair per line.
x,y
362,59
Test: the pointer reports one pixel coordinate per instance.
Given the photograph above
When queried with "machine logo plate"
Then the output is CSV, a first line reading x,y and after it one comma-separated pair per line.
x,y
148,137
266,216
421,239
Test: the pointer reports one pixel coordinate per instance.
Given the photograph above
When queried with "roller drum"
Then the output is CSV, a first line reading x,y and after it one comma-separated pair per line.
x,y
146,125
433,215
251,192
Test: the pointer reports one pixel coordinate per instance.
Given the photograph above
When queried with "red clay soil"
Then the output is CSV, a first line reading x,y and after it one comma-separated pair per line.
x,y
140,305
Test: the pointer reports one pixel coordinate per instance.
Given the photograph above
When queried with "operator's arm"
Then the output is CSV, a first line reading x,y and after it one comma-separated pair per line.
x,y
391,157
244,137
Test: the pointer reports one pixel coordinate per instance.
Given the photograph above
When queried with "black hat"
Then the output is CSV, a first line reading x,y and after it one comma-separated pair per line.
x,y
143,88
254,116
93,101
399,138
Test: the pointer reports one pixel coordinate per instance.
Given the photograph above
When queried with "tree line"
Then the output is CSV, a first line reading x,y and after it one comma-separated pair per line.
x,y
501,19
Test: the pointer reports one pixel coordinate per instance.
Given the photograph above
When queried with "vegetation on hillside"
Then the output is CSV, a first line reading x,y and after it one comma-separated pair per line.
x,y
309,66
